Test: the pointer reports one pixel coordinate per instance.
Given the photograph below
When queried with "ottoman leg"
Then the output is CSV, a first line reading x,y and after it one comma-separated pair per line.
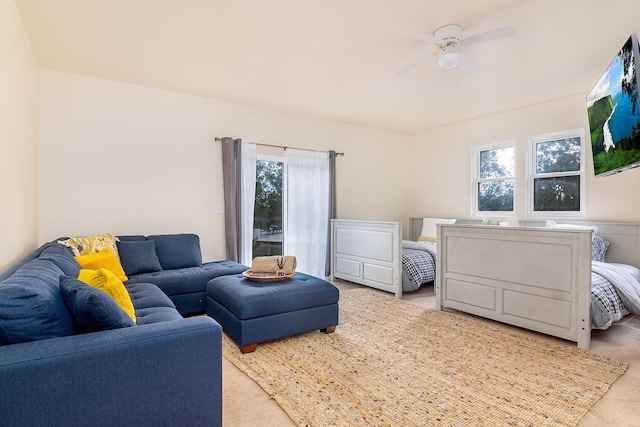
x,y
328,330
248,348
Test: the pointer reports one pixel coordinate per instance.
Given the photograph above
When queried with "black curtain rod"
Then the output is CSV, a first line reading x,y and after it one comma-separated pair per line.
x,y
284,147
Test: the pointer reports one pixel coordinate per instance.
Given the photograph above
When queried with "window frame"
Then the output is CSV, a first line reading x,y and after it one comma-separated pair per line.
x,y
532,175
477,150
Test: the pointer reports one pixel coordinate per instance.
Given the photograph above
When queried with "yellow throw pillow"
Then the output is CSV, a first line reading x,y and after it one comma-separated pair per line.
x,y
106,281
427,239
91,244
103,259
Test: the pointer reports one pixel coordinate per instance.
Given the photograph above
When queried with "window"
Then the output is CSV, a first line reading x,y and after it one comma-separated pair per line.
x,y
268,223
556,184
494,180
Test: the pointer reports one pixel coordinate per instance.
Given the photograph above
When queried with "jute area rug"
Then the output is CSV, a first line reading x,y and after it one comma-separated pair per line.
x,y
391,363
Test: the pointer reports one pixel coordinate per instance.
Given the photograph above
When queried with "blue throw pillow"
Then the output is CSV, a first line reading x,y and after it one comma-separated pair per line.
x,y
31,306
138,256
92,309
178,250
135,237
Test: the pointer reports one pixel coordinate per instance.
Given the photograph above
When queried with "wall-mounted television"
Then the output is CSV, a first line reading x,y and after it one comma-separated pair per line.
x,y
614,113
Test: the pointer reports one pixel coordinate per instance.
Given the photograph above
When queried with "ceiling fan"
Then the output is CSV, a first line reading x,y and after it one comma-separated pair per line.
x,y
449,43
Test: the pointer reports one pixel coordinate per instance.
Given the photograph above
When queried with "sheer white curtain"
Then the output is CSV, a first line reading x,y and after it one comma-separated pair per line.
x,y
307,209
248,194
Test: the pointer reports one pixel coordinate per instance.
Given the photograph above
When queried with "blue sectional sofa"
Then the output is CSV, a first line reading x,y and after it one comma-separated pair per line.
x,y
173,262
162,370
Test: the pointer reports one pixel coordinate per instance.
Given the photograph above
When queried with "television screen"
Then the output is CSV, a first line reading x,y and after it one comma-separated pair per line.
x,y
614,113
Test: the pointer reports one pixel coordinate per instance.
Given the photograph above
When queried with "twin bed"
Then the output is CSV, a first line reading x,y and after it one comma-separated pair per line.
x,y
530,276
373,253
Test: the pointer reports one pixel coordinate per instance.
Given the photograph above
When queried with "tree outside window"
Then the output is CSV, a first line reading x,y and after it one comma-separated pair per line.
x,y
495,179
558,174
268,219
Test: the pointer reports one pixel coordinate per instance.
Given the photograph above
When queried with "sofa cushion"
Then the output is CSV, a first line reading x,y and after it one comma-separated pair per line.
x,y
31,306
187,280
11,270
61,256
147,316
104,259
151,304
92,309
138,256
106,281
177,250
147,295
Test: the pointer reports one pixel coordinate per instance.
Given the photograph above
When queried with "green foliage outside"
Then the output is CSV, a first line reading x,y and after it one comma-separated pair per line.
x,y
497,195
268,207
559,194
268,203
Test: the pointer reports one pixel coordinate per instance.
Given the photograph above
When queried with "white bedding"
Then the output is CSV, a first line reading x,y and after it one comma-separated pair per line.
x,y
625,279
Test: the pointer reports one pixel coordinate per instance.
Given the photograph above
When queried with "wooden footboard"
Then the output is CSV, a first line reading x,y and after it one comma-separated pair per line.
x,y
534,278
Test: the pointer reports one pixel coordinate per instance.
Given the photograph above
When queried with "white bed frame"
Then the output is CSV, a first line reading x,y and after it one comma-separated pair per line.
x,y
535,278
368,253
528,276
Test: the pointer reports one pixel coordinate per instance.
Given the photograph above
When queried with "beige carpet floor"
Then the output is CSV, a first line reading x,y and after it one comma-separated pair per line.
x,y
245,403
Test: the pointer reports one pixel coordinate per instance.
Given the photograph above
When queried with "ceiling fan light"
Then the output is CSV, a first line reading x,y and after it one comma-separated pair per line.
x,y
449,60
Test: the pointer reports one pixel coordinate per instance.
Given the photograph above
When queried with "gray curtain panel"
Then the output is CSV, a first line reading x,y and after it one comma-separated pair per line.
x,y
332,207
232,178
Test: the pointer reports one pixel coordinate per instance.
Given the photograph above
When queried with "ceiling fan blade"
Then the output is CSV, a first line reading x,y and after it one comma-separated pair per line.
x,y
498,33
427,38
466,64
415,64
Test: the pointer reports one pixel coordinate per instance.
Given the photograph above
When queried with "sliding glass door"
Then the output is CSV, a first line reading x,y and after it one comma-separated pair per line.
x,y
291,210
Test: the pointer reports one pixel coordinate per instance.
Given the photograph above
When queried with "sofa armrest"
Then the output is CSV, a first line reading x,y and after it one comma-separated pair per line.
x,y
167,373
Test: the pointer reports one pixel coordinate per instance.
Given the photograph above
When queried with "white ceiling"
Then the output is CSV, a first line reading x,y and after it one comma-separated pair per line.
x,y
336,59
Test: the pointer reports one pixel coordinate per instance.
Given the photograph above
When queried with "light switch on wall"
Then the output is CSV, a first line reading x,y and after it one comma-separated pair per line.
x,y
218,209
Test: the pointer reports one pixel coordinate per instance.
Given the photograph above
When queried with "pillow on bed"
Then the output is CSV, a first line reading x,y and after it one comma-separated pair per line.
x,y
430,230
553,224
599,245
599,248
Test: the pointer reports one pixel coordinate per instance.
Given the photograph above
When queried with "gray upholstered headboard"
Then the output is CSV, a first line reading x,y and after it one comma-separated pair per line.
x,y
624,238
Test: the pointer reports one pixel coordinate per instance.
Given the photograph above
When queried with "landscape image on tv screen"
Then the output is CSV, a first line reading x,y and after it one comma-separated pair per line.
x,y
614,114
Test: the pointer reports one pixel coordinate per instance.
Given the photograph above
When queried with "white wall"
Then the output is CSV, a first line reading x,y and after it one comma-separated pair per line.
x,y
18,139
440,163
127,159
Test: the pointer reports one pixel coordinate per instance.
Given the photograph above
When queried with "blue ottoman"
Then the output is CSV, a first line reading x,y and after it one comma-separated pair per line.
x,y
253,312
